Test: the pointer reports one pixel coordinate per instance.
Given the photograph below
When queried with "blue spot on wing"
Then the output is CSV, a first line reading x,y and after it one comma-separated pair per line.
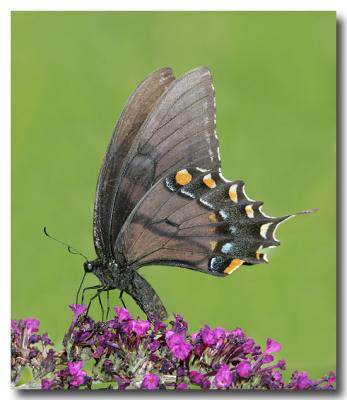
x,y
218,264
227,247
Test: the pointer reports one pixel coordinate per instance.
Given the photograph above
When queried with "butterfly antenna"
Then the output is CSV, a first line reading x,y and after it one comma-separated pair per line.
x,y
70,249
309,211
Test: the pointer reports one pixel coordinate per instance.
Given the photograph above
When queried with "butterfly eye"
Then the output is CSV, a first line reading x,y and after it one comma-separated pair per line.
x,y
88,267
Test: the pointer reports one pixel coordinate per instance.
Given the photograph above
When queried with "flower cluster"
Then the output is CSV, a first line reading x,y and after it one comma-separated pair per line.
x,y
30,352
127,353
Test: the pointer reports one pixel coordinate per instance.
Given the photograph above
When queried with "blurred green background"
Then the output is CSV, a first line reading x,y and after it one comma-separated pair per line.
x,y
274,75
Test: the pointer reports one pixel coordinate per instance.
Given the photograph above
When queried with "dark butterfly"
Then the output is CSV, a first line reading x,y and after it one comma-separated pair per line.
x,y
161,198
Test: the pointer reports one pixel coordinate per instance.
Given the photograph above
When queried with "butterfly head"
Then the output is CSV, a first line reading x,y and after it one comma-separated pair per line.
x,y
88,266
92,266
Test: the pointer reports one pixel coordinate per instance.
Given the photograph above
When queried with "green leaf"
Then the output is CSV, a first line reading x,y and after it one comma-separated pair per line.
x,y
26,376
104,385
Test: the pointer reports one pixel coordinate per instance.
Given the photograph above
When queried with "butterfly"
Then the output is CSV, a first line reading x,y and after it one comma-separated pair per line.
x,y
161,197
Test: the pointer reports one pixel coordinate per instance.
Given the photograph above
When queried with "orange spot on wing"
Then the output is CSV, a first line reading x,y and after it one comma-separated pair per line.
x,y
212,217
233,265
209,182
213,245
183,177
233,193
249,211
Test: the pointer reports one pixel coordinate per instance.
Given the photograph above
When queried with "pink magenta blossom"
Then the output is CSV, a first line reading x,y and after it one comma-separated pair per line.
x,y
150,382
223,377
272,346
244,369
126,353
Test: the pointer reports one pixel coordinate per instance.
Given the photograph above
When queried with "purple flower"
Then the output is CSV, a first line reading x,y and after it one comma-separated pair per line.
x,y
182,386
206,384
98,352
198,349
272,346
272,379
34,351
195,336
108,366
247,347
63,373
302,381
172,338
219,332
276,376
244,369
45,339
154,345
159,326
150,382
14,326
78,379
153,357
46,384
267,358
211,336
181,371
330,380
166,366
223,377
208,335
123,384
238,332
76,373
196,377
78,309
138,326
80,336
31,325
123,314
281,365
182,351
74,367
177,344
34,338
106,337
179,325
208,358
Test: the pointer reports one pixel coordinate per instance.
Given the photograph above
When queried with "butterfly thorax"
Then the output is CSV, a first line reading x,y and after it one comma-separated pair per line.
x,y
110,274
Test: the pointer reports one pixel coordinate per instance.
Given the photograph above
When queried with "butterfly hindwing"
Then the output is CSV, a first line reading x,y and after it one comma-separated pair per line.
x,y
179,131
135,112
195,219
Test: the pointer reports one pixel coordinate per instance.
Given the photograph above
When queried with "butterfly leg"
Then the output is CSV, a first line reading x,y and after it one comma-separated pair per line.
x,y
100,290
101,305
121,298
89,288
79,289
108,303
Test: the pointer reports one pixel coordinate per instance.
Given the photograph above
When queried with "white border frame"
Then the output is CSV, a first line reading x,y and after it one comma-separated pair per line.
x,y
6,6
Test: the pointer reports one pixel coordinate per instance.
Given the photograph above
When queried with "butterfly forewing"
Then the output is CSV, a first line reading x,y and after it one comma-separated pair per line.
x,y
161,198
180,131
195,219
135,112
